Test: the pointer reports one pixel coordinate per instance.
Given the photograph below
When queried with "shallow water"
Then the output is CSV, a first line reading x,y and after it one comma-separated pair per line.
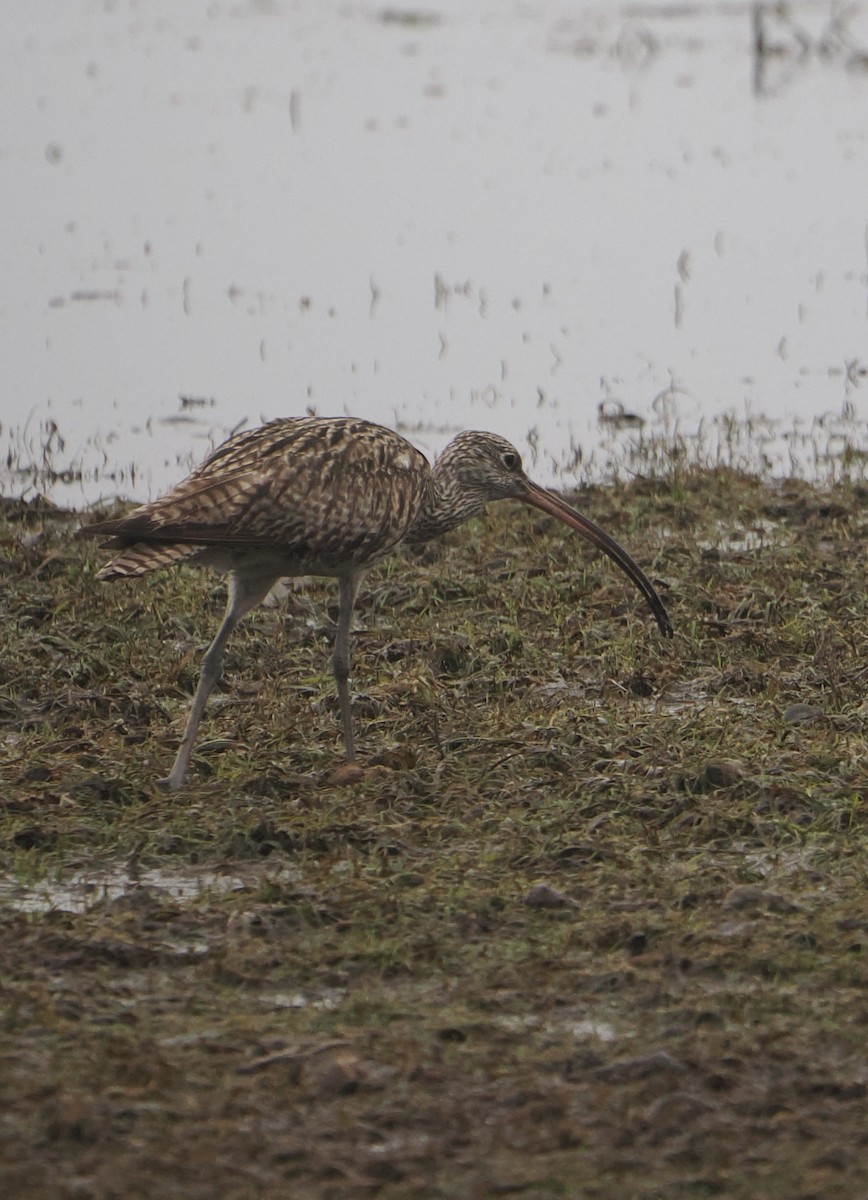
x,y
436,218
79,890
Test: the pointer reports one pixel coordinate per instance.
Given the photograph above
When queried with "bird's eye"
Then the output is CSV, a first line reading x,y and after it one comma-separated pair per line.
x,y
509,460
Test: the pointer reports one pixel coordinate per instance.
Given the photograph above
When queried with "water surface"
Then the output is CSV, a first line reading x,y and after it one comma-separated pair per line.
x,y
501,216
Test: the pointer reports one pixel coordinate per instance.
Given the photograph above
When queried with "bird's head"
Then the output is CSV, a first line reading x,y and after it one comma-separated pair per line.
x,y
484,467
476,468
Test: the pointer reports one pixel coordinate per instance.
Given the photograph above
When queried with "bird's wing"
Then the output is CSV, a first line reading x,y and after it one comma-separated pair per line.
x,y
321,490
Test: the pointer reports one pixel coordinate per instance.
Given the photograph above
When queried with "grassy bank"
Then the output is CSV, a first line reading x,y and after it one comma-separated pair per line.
x,y
593,923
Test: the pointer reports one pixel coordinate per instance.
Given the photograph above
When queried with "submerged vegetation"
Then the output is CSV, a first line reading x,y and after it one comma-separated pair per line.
x,y
591,922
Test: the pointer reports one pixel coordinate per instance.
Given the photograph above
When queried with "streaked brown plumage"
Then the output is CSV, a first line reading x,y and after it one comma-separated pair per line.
x,y
323,496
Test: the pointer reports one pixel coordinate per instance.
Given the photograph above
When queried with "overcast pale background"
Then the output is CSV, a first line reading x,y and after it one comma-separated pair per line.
x,y
498,215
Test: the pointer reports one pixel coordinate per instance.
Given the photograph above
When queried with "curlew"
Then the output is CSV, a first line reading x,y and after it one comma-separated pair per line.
x,y
323,496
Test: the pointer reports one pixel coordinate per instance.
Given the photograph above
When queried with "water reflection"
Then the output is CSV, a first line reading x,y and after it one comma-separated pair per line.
x,y
80,890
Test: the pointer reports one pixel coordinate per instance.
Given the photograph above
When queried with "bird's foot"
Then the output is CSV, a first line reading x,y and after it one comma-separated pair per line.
x,y
171,783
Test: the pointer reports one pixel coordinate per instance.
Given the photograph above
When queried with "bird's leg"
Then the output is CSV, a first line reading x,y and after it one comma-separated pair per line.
x,y
349,587
245,592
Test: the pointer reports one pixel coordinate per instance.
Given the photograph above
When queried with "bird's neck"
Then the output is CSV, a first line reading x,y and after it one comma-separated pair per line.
x,y
446,505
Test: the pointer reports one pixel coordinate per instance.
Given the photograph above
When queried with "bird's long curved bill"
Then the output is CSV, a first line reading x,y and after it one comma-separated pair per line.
x,y
539,498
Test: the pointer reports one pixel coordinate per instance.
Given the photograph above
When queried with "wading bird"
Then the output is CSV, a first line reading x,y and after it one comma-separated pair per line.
x,y
323,496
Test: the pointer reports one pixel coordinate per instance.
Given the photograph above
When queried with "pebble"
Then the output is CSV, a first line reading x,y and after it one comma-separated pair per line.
x,y
541,895
802,714
346,775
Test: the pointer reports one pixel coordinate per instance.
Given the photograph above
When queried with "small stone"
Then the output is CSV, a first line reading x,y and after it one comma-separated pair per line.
x,y
36,774
451,1033
637,943
722,773
334,1075
777,903
802,714
541,895
743,897
623,1069
346,775
748,897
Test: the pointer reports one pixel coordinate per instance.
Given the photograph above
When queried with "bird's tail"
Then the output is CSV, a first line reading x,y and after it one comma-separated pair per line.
x,y
140,558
